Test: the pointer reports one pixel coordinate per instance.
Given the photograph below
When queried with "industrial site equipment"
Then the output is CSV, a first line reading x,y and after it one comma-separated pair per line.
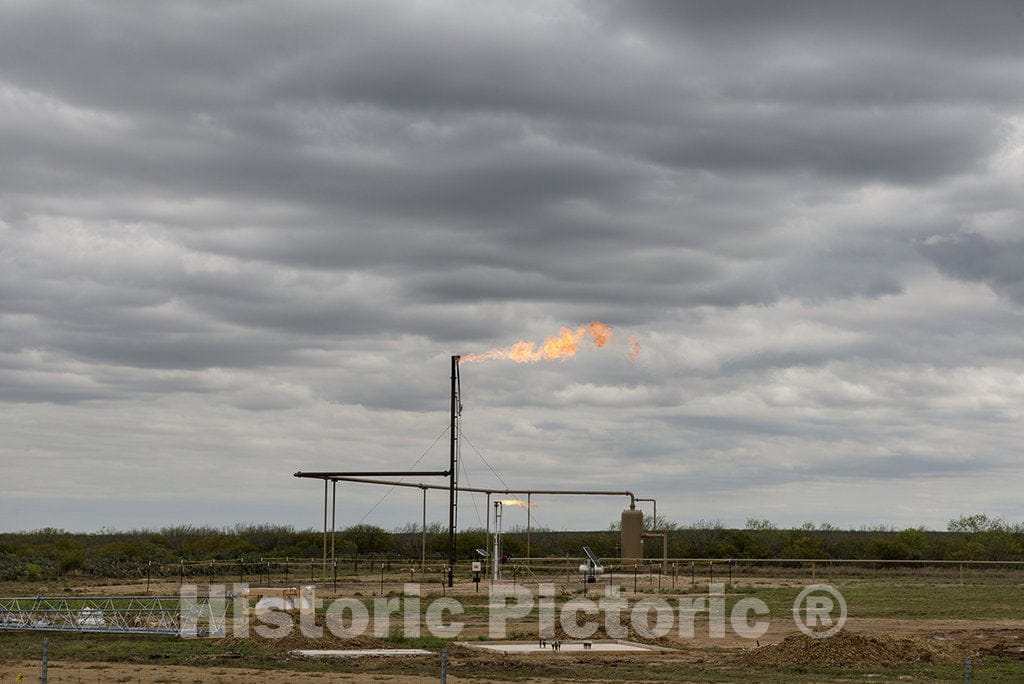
x,y
632,519
591,568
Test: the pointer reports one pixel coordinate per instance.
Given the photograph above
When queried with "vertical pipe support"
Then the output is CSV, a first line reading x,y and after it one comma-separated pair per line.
x,y
487,537
334,511
528,516
453,430
325,528
496,565
423,533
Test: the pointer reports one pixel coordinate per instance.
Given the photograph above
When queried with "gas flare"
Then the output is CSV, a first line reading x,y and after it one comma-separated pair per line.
x,y
560,346
634,347
600,333
517,502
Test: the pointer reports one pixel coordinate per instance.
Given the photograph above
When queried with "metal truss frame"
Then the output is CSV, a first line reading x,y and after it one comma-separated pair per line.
x,y
169,615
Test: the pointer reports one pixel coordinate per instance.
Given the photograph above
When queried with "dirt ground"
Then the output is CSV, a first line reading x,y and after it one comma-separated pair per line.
x,y
975,633
87,673
868,642
863,643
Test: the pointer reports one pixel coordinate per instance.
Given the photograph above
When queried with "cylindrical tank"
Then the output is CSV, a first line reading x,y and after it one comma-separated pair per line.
x,y
632,529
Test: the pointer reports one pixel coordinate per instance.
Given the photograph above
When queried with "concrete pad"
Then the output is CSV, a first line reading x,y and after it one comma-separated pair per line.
x,y
533,647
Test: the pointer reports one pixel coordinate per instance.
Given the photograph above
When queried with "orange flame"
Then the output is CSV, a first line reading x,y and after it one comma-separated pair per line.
x,y
517,502
600,333
560,346
634,347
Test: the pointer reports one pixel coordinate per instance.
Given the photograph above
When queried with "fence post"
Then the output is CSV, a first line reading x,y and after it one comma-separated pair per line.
x,y
46,659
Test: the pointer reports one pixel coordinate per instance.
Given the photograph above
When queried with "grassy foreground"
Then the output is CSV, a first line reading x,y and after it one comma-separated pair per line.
x,y
905,602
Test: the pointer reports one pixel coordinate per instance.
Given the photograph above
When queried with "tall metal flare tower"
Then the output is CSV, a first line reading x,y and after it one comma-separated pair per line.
x,y
453,469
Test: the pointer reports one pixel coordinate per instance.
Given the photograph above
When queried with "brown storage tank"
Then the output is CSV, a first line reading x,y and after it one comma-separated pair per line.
x,y
632,541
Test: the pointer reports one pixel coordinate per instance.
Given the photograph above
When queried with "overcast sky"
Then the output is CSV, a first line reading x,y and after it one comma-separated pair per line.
x,y
243,239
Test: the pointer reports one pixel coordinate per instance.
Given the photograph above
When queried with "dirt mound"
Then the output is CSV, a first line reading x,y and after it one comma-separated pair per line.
x,y
1004,649
846,649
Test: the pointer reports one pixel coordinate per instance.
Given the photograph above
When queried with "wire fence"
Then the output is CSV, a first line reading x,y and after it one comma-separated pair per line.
x,y
287,571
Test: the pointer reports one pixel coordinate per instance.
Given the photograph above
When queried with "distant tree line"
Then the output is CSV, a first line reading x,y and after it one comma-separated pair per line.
x,y
124,553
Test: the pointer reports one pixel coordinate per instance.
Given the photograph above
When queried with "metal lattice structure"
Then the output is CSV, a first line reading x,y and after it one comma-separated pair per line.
x,y
173,615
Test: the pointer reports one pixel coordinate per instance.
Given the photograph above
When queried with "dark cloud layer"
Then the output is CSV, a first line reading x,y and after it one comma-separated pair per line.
x,y
973,257
245,237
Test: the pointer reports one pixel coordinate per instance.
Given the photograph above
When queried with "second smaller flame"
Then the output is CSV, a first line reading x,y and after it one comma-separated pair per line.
x,y
517,502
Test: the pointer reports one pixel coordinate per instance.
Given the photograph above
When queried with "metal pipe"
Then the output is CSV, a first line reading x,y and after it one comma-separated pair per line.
x,y
325,529
654,520
487,537
664,547
339,474
453,470
423,534
334,511
484,490
528,507
654,533
496,565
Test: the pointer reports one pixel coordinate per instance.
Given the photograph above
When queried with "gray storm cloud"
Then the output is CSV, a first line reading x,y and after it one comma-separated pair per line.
x,y
242,239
